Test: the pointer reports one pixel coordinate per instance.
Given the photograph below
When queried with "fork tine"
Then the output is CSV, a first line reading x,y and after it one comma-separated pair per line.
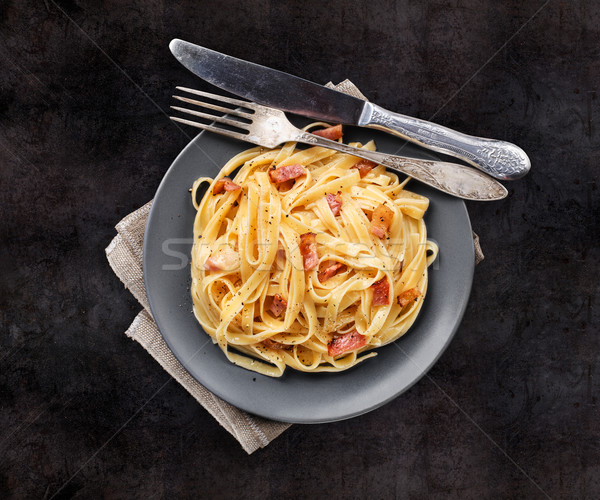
x,y
207,116
212,128
216,97
229,111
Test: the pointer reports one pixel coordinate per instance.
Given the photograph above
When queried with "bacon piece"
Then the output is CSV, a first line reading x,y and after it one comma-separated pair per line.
x,y
225,184
272,344
335,202
308,249
381,292
331,269
224,259
282,174
407,296
381,220
364,167
287,185
345,343
278,305
331,133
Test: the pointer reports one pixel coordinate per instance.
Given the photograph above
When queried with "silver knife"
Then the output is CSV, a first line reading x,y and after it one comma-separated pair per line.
x,y
276,89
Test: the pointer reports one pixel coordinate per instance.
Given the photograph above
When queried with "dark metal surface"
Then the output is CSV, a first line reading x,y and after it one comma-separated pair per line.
x,y
509,409
268,86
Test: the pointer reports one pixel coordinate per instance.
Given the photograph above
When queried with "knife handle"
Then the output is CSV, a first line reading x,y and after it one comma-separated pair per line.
x,y
499,159
452,178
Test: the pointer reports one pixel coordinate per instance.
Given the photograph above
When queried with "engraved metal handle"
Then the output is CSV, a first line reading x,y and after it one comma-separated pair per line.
x,y
499,159
451,178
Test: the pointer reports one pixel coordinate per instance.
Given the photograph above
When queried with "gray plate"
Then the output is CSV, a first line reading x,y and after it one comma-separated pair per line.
x,y
300,397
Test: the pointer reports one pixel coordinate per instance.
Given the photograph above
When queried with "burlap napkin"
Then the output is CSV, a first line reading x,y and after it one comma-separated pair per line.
x,y
125,258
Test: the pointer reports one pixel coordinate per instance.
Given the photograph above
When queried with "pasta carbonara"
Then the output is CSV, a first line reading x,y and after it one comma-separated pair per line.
x,y
307,258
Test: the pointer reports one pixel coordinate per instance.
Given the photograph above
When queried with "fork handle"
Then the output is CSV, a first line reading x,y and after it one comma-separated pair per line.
x,y
499,159
457,180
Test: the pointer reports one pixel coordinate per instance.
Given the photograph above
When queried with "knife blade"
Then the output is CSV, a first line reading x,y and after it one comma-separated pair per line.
x,y
292,94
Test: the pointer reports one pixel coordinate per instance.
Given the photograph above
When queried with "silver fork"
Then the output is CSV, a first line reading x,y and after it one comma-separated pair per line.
x,y
269,127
